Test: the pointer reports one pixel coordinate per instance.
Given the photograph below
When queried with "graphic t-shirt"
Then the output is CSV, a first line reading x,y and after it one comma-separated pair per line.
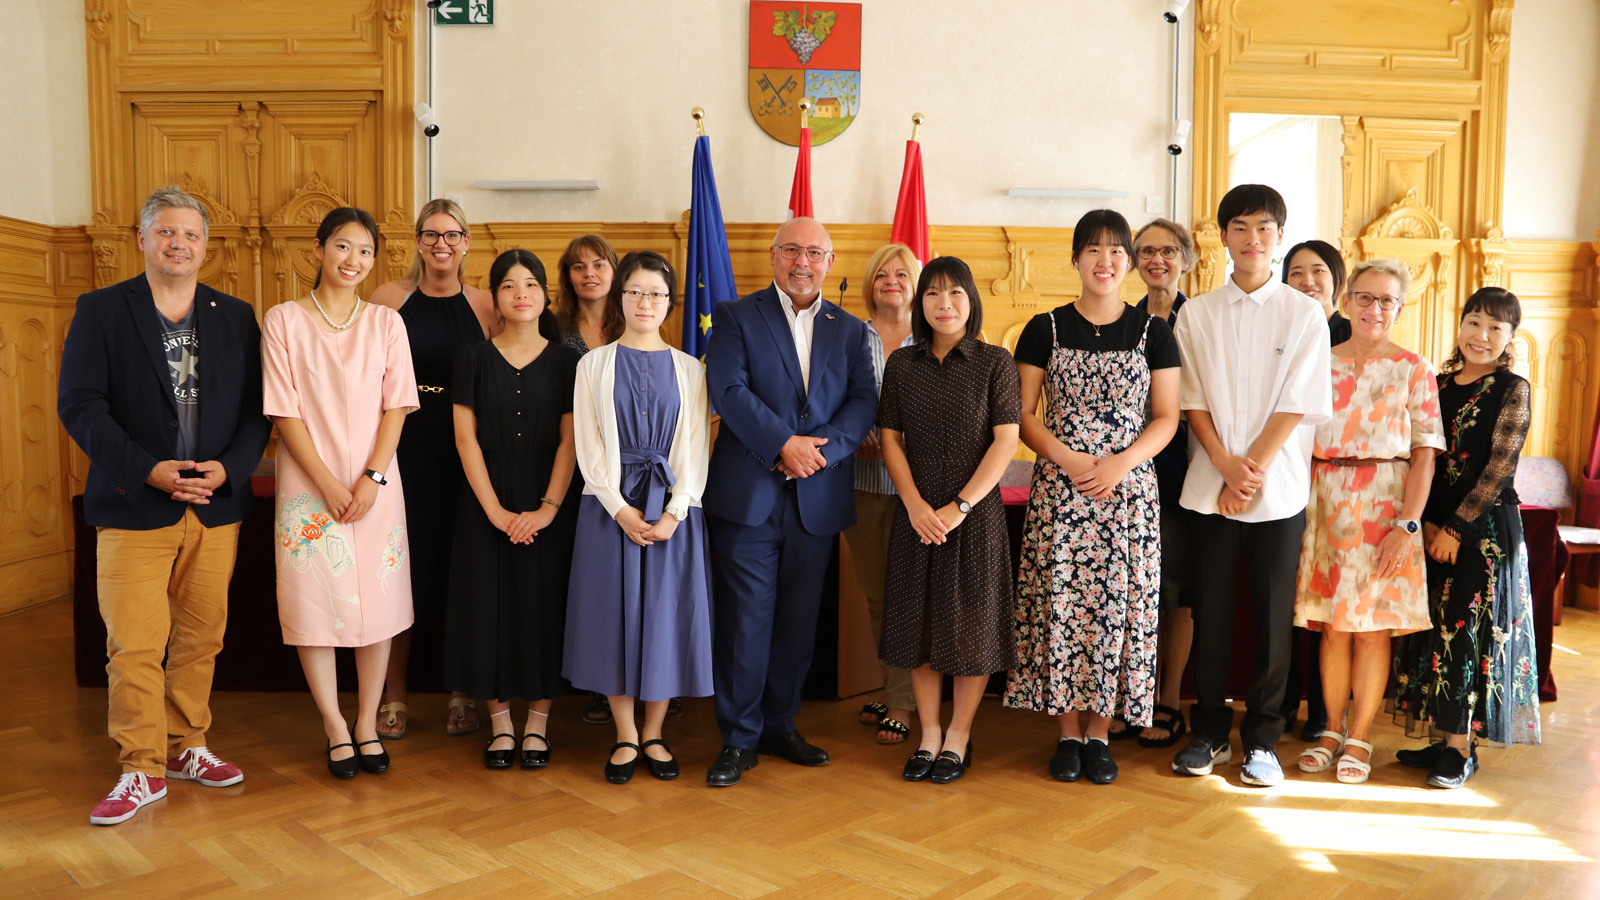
x,y
182,348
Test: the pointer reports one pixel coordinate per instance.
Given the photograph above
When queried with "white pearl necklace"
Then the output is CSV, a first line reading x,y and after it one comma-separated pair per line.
x,y
331,323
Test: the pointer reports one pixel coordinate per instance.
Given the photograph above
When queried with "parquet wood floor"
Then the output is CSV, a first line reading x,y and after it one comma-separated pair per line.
x,y
438,824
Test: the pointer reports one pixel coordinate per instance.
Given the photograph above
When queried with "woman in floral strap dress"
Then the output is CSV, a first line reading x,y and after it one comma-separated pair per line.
x,y
1473,676
1089,587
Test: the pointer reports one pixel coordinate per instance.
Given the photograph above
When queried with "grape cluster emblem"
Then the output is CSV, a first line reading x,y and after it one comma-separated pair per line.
x,y
805,32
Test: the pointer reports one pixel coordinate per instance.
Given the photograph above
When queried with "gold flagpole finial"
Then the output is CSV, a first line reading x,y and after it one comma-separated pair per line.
x,y
699,114
916,124
805,111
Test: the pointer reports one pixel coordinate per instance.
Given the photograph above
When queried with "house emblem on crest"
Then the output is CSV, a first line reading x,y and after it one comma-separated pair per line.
x,y
805,50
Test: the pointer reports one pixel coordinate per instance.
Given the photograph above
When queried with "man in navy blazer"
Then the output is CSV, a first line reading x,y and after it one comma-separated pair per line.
x,y
161,387
791,376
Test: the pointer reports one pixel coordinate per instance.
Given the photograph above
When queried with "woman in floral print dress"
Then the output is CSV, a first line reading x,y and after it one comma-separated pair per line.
x,y
1473,676
1089,587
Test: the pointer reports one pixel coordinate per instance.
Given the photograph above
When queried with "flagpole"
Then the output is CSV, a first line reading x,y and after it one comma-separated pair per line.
x,y
805,111
699,114
916,124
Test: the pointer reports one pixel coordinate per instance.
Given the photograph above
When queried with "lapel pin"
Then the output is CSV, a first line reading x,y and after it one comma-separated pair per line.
x,y
827,315
213,303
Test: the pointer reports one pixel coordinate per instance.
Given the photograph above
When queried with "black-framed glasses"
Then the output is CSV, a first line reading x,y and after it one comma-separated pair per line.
x,y
450,237
645,298
793,251
1364,300
1166,252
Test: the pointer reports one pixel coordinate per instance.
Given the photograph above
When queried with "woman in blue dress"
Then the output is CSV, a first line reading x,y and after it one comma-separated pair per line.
x,y
638,604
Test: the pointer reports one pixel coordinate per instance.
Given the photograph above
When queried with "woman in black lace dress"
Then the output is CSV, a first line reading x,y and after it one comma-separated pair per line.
x,y
1473,676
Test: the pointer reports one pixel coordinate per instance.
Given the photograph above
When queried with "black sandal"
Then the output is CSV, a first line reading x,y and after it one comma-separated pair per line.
x,y
876,710
893,726
1170,719
1127,731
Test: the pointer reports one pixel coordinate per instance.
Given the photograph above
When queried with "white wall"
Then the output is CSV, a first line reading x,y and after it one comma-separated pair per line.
x,y
44,112
1029,93
1552,176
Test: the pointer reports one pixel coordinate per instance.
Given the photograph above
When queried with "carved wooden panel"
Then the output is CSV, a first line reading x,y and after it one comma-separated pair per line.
x,y
1373,36
280,31
1418,160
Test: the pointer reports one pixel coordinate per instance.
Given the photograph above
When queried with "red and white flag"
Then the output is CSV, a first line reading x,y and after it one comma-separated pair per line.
x,y
800,193
911,209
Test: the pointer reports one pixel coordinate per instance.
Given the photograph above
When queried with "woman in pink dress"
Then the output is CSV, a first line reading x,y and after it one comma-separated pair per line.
x,y
1361,575
338,382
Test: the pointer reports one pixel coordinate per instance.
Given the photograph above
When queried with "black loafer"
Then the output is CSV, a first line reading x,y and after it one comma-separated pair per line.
x,y
1421,758
1452,769
795,749
376,763
730,766
535,759
919,766
343,768
499,759
1098,766
666,770
948,767
622,773
1067,763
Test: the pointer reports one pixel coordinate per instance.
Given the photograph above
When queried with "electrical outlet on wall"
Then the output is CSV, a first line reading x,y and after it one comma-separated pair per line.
x,y
1152,205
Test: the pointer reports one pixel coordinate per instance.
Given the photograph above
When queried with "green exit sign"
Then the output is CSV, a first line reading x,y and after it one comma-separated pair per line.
x,y
464,12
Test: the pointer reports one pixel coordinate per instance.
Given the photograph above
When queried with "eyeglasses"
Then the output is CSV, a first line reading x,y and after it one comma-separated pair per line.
x,y
793,251
643,298
1166,252
1364,300
450,237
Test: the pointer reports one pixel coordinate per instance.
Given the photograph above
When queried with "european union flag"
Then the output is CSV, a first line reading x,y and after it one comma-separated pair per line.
x,y
708,274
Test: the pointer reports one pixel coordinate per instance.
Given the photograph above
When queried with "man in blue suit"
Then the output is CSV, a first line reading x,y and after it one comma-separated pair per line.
x,y
791,376
161,387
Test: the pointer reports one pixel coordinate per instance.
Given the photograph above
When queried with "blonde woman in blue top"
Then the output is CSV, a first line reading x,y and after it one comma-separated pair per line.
x,y
887,292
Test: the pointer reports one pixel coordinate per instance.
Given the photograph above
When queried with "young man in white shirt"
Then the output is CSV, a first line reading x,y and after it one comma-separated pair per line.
x,y
1254,386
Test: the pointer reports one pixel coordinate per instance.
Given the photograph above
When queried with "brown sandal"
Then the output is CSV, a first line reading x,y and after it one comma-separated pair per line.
x,y
463,718
392,721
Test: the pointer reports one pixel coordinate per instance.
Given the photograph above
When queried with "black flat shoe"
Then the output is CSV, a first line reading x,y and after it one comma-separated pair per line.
x,y
1451,769
622,773
376,763
948,767
919,766
1313,729
535,759
499,759
343,768
666,770
1067,763
730,766
1422,758
1098,766
795,749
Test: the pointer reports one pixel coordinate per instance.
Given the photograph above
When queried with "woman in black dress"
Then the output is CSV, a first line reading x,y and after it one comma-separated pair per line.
x,y
513,540
1473,676
948,418
442,313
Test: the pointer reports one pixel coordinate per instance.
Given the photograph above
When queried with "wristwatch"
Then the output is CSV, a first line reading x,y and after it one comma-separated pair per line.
x,y
1412,526
963,506
375,475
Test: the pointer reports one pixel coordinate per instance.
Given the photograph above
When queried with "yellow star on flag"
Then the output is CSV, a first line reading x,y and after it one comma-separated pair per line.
x,y
705,323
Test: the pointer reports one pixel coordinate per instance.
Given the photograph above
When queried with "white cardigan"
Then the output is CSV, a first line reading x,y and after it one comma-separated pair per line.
x,y
594,426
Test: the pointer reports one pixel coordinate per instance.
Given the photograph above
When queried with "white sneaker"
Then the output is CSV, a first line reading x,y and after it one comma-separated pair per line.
x,y
133,790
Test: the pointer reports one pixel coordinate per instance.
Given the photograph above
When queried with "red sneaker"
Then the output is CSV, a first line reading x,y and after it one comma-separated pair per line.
x,y
199,764
133,790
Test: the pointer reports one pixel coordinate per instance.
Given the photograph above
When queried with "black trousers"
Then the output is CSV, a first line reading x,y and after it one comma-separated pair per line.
x,y
1271,553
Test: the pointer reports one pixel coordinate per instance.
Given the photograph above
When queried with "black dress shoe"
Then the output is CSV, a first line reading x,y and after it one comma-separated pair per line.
x,y
1422,758
343,768
376,763
666,770
948,767
499,759
730,766
795,749
1313,729
919,766
1098,766
622,773
1067,763
1451,769
535,759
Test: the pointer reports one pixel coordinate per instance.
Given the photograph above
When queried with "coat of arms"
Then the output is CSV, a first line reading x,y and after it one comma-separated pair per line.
x,y
805,50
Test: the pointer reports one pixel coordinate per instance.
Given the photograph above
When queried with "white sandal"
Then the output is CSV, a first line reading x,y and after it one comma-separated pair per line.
x,y
1321,754
1364,766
